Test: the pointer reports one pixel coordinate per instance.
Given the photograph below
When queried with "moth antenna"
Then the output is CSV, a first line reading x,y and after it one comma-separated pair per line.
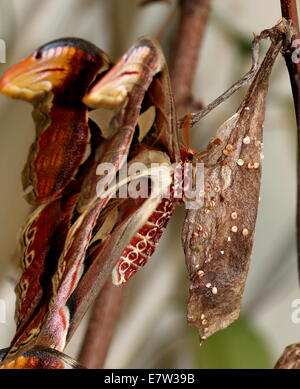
x,y
186,126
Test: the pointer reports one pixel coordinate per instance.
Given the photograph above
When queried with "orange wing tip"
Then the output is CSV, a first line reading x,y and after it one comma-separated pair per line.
x,y
33,363
40,357
22,80
50,67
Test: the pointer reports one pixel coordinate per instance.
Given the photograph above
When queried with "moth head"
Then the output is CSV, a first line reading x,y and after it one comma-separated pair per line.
x,y
63,66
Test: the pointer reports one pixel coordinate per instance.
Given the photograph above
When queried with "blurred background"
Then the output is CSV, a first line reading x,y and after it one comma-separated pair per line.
x,y
153,332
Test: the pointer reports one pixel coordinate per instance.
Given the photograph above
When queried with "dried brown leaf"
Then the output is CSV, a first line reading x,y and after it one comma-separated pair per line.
x,y
218,238
290,359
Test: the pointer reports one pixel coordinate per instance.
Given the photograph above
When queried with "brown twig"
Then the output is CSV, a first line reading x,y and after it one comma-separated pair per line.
x,y
196,117
105,315
289,12
193,20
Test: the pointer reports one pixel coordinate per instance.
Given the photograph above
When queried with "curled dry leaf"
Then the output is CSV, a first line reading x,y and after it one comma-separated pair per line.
x,y
290,359
218,238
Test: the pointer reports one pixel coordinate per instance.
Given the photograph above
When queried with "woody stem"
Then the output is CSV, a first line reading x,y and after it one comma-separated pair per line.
x,y
193,20
289,12
105,315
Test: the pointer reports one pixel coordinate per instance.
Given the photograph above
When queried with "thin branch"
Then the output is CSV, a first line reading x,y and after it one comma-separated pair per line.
x,y
196,117
289,12
193,20
105,315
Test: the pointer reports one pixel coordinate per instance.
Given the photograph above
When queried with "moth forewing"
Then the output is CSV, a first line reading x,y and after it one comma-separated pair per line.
x,y
133,72
140,79
39,256
105,259
218,237
164,132
113,151
89,280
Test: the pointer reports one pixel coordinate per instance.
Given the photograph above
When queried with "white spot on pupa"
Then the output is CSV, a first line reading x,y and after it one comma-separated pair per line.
x,y
234,215
222,252
247,108
240,162
245,232
208,285
229,239
234,229
246,140
202,316
214,290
